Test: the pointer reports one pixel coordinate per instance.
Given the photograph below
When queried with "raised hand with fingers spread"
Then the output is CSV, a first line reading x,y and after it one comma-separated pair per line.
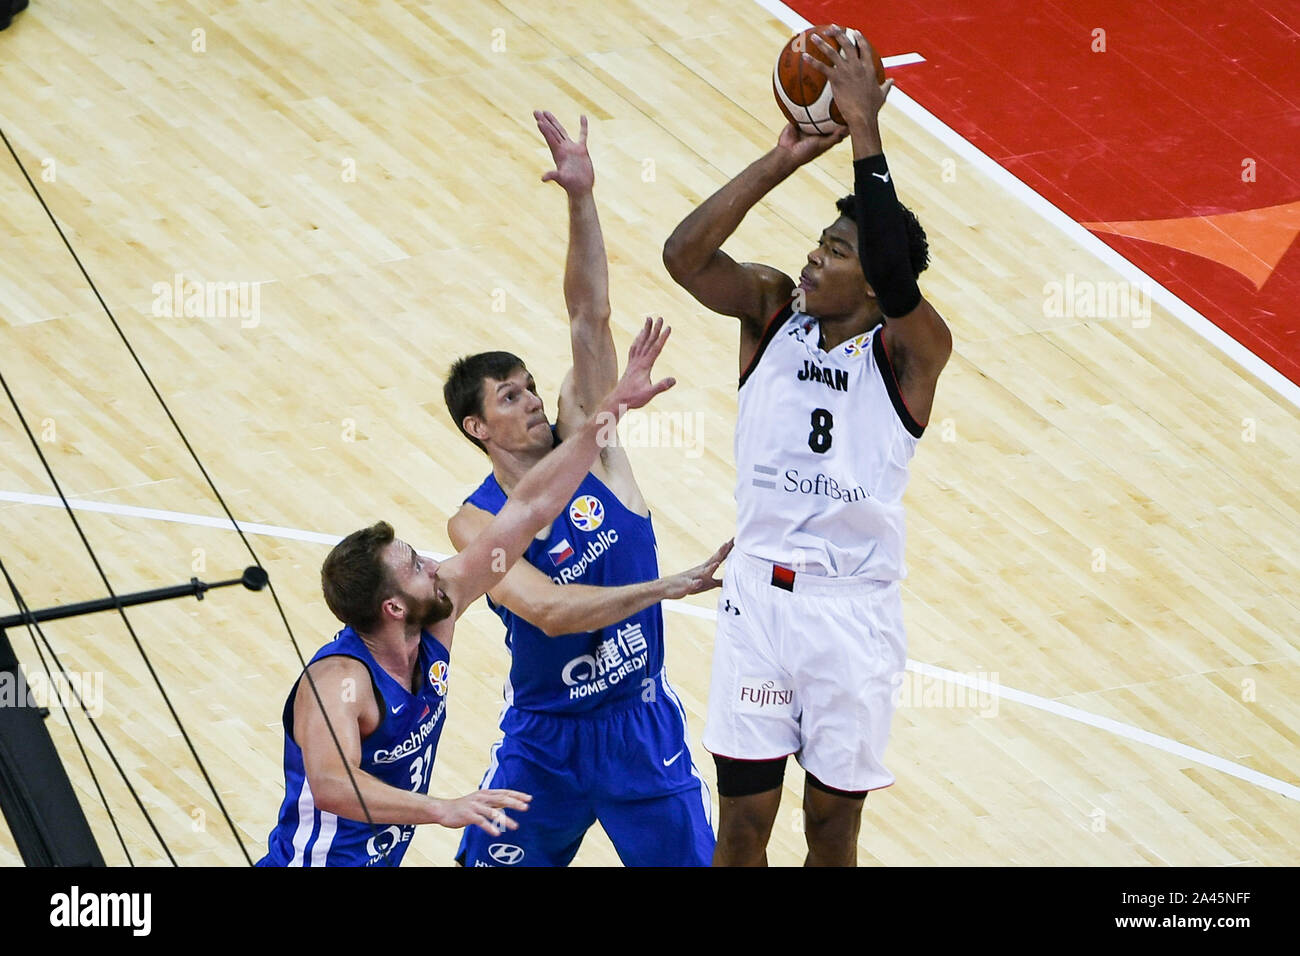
x,y
573,169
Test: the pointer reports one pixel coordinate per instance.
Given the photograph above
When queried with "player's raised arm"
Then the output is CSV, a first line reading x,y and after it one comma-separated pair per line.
x,y
586,277
547,487
918,340
693,254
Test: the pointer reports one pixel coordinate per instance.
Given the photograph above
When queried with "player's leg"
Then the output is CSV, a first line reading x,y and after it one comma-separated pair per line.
x,y
848,672
832,820
667,831
650,798
749,796
753,723
533,757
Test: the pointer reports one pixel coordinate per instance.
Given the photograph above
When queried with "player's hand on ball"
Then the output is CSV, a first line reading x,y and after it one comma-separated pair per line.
x,y
805,147
573,169
485,809
701,577
851,74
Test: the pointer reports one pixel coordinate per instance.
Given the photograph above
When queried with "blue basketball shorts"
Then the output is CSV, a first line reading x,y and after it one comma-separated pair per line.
x,y
631,769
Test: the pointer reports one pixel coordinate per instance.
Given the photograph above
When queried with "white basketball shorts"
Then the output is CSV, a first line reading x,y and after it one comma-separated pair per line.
x,y
809,666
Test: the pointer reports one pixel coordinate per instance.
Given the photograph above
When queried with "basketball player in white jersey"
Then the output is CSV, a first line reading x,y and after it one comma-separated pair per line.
x,y
837,379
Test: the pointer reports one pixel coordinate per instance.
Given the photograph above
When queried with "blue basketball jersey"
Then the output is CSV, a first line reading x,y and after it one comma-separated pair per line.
x,y
400,752
595,541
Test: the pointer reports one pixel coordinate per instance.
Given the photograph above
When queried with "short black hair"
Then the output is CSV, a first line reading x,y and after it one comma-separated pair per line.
x,y
463,391
918,249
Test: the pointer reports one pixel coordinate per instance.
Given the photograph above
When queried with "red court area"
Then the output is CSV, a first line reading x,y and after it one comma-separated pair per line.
x,y
1170,129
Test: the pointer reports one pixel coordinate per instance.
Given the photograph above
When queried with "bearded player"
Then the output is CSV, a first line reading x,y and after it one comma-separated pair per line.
x,y
360,735
837,380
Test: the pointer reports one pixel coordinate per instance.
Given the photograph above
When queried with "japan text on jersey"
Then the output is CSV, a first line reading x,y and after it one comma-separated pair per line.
x,y
823,442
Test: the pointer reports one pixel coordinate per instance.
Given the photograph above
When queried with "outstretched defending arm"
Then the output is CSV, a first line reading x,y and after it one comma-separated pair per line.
x,y
547,487
577,608
586,277
918,340
586,297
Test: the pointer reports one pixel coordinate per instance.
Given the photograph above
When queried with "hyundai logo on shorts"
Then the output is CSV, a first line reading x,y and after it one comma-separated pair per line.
x,y
507,854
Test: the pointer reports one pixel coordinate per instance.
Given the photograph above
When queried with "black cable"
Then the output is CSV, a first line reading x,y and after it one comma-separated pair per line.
x,y
120,609
34,629
229,516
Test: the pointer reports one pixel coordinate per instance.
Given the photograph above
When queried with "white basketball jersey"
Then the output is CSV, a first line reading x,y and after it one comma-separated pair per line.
x,y
823,441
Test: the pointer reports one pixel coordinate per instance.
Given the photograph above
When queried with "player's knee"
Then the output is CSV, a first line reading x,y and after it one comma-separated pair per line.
x,y
742,839
741,822
833,827
831,814
742,836
749,793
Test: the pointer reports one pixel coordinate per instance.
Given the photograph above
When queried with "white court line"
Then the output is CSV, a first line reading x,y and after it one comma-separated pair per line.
x,y
1075,232
178,517
981,685
903,59
1129,732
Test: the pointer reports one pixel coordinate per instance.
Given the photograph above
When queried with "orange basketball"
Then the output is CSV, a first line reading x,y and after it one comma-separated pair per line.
x,y
801,91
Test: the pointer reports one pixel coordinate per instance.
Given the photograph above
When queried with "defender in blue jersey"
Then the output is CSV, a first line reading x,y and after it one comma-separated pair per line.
x,y
362,730
591,727
407,721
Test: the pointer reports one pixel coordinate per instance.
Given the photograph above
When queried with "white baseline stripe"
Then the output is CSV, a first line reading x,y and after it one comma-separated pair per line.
x,y
1129,732
179,517
1126,731
902,59
182,517
785,14
798,23
1075,232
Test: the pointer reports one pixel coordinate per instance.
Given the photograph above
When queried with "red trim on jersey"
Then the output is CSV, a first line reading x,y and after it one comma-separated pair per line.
x,y
886,367
885,345
754,759
856,793
769,333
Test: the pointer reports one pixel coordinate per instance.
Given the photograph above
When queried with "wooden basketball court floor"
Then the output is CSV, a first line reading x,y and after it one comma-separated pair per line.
x,y
1103,517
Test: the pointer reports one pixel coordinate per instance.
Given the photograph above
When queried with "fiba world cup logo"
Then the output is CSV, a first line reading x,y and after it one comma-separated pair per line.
x,y
586,513
857,347
438,677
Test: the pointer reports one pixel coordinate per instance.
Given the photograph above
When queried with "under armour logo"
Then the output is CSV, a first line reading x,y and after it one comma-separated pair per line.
x,y
730,608
883,177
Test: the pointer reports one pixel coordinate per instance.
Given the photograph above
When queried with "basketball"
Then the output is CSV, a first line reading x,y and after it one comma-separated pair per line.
x,y
801,91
